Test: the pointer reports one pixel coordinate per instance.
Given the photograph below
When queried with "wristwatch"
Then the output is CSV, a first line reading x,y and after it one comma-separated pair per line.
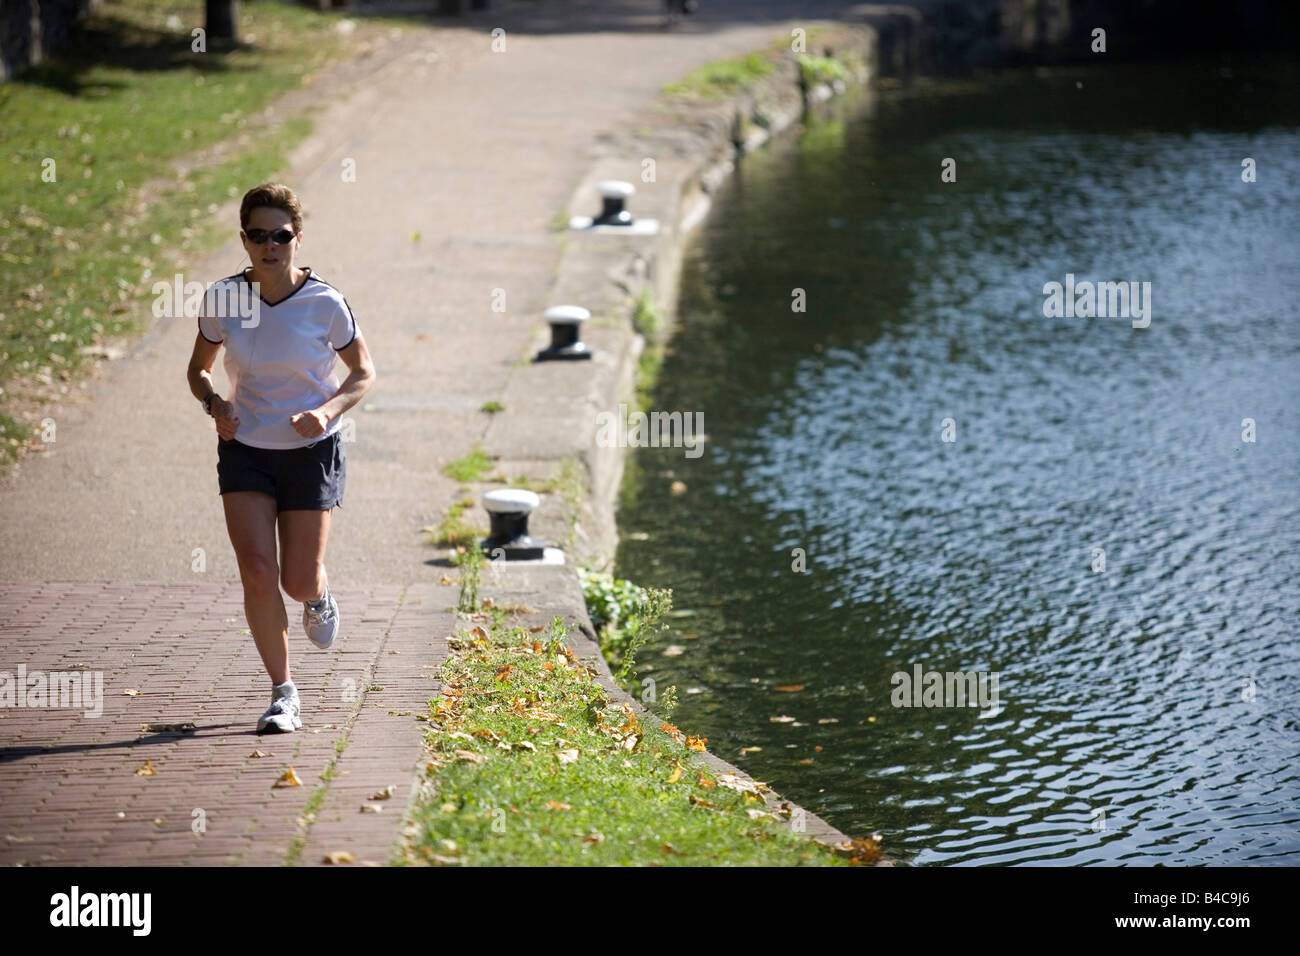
x,y
207,402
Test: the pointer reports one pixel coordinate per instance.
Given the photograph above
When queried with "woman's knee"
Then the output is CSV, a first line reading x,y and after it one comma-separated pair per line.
x,y
260,573
302,584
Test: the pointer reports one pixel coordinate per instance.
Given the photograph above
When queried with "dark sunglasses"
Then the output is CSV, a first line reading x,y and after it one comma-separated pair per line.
x,y
259,236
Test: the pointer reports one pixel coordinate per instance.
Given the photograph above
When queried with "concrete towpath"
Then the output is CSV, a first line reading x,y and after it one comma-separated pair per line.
x,y
476,151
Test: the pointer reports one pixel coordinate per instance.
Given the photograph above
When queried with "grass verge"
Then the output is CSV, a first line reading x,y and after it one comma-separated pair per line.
x,y
530,764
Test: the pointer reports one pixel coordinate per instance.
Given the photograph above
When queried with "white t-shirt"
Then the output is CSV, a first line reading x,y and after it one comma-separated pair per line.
x,y
279,358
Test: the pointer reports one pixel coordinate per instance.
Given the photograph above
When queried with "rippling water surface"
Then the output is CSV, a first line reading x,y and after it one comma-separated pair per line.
x,y
1148,713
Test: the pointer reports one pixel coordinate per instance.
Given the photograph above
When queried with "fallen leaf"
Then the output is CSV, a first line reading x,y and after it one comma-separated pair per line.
x,y
469,755
789,688
732,782
696,801
678,487
259,753
593,837
674,650
749,750
568,756
696,743
556,805
677,772
806,760
704,782
340,856
288,779
504,671
526,745
863,850
146,771
669,850
781,720
384,794
372,808
130,693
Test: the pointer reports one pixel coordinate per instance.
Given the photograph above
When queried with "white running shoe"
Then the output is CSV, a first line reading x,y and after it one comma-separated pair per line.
x,y
283,715
322,626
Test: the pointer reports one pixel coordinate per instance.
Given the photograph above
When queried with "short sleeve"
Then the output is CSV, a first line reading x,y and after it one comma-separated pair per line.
x,y
209,318
343,329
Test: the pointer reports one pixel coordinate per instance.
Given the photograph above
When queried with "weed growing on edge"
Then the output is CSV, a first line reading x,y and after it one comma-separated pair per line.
x,y
468,467
470,562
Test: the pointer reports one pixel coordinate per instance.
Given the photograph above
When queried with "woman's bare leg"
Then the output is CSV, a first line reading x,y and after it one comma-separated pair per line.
x,y
303,538
250,520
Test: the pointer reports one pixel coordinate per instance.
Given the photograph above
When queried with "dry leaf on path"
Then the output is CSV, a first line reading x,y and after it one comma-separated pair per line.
x,y
146,771
340,856
259,753
288,779
384,794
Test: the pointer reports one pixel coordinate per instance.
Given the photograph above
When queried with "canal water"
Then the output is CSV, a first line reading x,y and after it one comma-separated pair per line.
x,y
922,471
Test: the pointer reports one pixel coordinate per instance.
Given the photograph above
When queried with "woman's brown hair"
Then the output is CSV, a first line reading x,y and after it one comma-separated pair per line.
x,y
275,195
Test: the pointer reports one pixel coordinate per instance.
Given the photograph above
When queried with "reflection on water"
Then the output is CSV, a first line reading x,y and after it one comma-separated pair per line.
x,y
1149,711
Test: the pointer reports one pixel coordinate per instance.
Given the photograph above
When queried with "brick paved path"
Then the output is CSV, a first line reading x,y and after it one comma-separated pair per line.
x,y
68,788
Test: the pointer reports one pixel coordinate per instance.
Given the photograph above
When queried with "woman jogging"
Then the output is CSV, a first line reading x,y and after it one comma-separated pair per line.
x,y
280,462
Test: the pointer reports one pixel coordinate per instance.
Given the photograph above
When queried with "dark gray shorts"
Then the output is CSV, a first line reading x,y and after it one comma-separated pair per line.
x,y
299,479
